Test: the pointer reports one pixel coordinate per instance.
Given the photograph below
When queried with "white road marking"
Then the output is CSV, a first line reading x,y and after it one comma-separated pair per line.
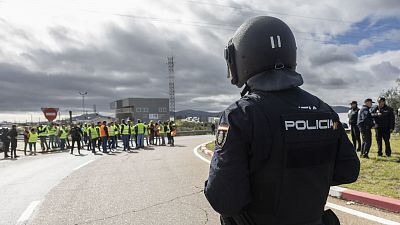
x,y
361,214
328,204
200,156
28,212
77,168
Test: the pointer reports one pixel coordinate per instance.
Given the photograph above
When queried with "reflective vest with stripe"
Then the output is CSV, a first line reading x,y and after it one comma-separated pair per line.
x,y
64,134
52,131
32,137
125,129
117,131
111,131
140,128
93,133
133,132
161,127
42,131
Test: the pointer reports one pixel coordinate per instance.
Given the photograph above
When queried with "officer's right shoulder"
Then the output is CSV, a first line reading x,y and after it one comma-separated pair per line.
x,y
237,111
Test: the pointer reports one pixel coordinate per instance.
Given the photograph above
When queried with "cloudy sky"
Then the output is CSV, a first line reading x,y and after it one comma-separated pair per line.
x,y
52,49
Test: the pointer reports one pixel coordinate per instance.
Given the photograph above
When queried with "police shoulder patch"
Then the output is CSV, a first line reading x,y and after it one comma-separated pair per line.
x,y
222,134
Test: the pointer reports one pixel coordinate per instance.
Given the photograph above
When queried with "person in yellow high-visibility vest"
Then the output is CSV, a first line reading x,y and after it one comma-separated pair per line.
x,y
132,135
112,136
32,139
146,133
125,131
172,127
94,136
162,132
51,132
63,137
140,130
157,133
42,134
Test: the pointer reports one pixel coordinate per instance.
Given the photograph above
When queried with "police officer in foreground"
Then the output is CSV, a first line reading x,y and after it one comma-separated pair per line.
x,y
384,119
365,122
355,131
275,165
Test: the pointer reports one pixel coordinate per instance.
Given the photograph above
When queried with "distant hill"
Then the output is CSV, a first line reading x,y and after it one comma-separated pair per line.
x,y
340,109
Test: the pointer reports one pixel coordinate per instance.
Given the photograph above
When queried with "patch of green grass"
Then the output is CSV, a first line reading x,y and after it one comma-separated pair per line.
x,y
378,175
210,146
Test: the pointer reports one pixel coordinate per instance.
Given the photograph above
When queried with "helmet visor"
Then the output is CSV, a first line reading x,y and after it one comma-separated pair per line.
x,y
229,54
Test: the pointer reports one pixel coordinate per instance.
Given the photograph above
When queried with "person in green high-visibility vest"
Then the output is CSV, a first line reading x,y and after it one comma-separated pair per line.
x,y
32,139
132,136
42,134
125,131
140,130
94,136
117,134
51,131
112,136
146,134
162,132
63,137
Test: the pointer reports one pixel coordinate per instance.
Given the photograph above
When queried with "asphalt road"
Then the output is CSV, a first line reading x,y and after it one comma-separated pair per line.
x,y
30,178
161,185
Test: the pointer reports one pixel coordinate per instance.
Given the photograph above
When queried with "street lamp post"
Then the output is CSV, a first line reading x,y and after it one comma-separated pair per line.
x,y
83,94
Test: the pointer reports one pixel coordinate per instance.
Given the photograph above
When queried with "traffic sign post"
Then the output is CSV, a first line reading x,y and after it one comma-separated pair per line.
x,y
50,113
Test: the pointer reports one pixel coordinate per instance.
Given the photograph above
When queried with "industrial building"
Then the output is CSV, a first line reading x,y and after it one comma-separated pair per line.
x,y
145,109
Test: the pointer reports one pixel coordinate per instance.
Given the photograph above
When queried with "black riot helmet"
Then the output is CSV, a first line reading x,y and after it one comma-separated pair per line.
x,y
263,44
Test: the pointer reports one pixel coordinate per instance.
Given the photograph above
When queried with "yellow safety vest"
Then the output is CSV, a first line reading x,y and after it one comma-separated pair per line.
x,y
161,127
126,129
93,133
64,134
111,131
32,137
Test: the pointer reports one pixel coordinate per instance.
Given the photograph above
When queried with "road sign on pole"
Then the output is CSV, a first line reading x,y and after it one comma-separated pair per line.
x,y
50,113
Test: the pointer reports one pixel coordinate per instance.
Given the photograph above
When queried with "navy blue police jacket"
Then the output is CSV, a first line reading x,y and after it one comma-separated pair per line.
x,y
277,154
364,118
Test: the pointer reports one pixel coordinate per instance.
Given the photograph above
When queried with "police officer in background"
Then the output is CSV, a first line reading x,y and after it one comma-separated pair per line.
x,y
355,131
384,119
365,123
275,166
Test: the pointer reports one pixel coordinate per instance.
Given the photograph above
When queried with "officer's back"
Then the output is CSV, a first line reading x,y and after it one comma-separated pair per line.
x,y
278,148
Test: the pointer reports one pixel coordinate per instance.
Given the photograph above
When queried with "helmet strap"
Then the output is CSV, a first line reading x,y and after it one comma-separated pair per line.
x,y
245,90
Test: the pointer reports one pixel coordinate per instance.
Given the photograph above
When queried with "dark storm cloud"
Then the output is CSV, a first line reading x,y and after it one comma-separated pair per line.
x,y
385,70
321,79
332,54
130,63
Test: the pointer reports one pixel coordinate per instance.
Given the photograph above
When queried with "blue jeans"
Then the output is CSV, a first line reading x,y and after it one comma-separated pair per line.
x,y
111,143
104,143
62,144
125,140
140,141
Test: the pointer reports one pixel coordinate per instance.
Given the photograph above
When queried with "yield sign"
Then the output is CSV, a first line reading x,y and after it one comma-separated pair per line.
x,y
50,113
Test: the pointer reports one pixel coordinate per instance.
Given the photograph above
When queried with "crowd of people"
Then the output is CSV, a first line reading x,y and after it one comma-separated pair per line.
x,y
379,117
103,136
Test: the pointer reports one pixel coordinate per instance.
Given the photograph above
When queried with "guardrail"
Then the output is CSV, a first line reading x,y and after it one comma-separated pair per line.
x,y
193,132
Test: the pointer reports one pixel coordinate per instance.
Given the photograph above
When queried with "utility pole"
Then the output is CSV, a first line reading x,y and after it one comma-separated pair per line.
x,y
83,94
171,77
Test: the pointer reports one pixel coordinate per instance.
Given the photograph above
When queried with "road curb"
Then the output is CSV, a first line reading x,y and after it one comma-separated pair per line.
x,y
377,201
205,150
